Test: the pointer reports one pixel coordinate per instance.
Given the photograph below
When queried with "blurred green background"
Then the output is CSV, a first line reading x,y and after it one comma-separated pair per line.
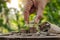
x,y
12,19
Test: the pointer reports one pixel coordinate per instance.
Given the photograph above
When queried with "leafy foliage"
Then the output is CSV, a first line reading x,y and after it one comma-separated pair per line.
x,y
52,9
16,21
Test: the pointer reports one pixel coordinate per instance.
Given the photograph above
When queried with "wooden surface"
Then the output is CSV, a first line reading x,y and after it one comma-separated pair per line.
x,y
20,36
29,37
